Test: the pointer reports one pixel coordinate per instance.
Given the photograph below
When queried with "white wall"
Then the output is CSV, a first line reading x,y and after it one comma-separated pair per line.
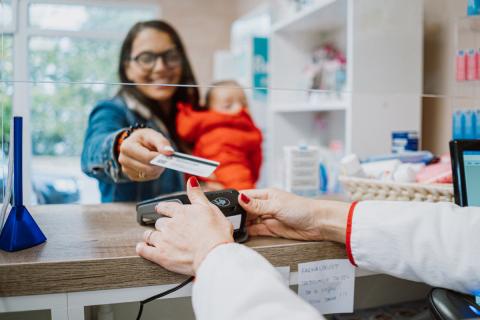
x,y
205,28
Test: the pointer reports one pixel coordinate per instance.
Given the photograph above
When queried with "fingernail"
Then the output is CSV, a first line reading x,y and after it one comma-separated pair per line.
x,y
244,198
193,182
137,247
168,148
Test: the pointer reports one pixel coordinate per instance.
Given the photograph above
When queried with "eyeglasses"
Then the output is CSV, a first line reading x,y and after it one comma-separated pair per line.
x,y
170,58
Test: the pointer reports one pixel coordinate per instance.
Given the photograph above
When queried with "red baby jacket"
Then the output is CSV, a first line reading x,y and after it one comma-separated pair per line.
x,y
232,140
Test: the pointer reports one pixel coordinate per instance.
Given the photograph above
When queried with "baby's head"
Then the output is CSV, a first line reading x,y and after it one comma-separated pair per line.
x,y
226,97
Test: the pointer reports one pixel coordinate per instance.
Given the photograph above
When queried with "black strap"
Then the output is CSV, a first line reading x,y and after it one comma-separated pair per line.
x,y
162,294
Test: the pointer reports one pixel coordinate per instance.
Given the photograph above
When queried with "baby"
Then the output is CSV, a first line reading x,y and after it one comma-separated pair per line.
x,y
224,132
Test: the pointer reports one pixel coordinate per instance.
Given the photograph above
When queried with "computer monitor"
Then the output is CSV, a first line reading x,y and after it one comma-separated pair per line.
x,y
465,155
471,163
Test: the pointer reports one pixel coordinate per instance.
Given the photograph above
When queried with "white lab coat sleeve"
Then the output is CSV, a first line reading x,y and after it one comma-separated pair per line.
x,y
234,282
438,244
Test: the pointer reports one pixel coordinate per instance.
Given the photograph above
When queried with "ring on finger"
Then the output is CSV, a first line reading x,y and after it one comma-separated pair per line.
x,y
141,175
258,220
147,240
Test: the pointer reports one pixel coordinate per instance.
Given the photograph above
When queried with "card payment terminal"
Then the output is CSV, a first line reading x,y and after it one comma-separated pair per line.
x,y
225,200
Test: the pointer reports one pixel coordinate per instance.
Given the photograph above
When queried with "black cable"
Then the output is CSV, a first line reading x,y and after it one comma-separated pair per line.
x,y
162,294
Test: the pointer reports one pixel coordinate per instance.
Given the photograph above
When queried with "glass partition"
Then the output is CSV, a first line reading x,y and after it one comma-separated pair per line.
x,y
340,75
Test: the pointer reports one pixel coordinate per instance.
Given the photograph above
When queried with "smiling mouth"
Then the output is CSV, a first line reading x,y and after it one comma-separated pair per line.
x,y
162,84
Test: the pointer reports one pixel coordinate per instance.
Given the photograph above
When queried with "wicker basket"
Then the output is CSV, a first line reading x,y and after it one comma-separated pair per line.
x,y
370,189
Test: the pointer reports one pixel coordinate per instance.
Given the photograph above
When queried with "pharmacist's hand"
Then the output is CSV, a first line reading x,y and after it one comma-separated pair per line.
x,y
273,212
181,242
138,150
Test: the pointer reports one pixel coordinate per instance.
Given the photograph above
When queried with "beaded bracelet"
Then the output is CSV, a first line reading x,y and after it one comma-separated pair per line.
x,y
125,134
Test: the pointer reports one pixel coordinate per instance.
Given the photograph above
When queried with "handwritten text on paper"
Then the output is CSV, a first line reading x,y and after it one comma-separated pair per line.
x,y
328,285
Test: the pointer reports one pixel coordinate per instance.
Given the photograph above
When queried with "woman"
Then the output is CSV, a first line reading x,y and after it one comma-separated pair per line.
x,y
126,132
433,243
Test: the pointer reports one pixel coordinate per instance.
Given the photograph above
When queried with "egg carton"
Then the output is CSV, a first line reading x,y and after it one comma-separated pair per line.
x,y
371,189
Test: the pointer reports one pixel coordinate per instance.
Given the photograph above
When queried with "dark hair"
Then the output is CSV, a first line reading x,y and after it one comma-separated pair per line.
x,y
213,86
189,95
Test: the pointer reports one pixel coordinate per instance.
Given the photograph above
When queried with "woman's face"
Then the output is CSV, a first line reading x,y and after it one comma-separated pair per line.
x,y
154,60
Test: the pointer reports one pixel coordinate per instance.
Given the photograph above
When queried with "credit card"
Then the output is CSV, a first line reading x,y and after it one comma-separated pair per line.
x,y
186,163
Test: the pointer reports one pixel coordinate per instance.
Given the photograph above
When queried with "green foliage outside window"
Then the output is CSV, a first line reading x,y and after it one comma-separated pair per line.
x,y
70,75
6,87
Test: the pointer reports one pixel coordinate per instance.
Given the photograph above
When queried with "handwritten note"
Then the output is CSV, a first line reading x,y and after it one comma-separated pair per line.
x,y
328,285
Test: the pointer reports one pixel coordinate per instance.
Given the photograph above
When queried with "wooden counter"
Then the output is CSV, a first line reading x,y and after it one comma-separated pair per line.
x,y
92,247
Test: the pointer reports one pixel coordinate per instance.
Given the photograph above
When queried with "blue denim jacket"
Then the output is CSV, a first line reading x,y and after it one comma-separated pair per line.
x,y
107,119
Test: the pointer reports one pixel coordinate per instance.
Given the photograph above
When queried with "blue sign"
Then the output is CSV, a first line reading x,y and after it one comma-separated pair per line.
x,y
260,67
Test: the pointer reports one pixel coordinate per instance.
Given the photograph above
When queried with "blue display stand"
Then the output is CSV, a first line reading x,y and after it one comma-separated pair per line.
x,y
20,230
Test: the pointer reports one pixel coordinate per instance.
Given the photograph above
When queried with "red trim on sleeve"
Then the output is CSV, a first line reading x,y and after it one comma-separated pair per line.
x,y
349,233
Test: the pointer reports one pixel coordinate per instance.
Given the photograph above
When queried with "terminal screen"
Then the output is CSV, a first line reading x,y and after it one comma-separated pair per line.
x,y
471,164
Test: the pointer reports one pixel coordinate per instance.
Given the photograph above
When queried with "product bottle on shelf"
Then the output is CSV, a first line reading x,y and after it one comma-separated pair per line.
x,y
473,8
466,125
336,149
461,65
470,125
458,125
477,128
302,170
472,67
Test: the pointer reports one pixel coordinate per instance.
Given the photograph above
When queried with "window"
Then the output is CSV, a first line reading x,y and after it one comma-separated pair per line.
x,y
53,64
6,15
6,88
78,17
72,50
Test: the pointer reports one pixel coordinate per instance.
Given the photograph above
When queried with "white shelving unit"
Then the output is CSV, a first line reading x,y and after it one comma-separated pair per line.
x,y
467,37
383,43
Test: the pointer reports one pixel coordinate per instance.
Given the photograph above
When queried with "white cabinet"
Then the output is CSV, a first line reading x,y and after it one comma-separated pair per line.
x,y
383,43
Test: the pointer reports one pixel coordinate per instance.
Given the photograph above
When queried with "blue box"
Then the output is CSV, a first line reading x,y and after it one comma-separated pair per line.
x,y
473,8
404,141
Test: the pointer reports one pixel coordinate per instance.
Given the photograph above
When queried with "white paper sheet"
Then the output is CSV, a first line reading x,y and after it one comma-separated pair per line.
x,y
328,285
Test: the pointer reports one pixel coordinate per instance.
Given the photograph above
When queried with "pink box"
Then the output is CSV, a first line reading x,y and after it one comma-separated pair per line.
x,y
477,64
461,66
472,65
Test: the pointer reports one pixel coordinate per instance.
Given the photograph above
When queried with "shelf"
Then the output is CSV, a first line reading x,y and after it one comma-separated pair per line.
x,y
312,103
470,23
378,40
323,15
306,107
